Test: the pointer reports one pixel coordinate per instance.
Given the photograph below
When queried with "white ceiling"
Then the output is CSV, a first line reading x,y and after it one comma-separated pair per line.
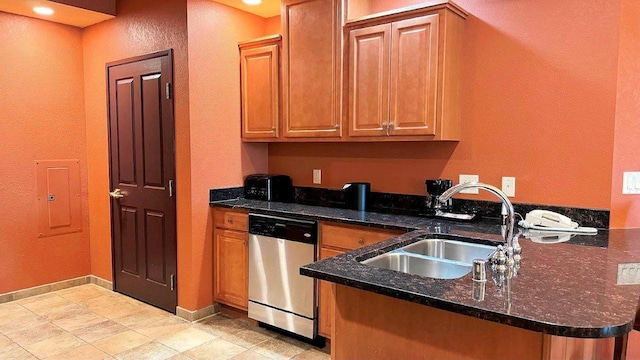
x,y
78,17
63,14
267,9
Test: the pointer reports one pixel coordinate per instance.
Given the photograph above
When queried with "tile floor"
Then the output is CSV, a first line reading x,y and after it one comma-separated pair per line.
x,y
88,322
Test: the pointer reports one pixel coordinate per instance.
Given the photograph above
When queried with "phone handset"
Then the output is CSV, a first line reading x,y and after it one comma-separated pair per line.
x,y
552,221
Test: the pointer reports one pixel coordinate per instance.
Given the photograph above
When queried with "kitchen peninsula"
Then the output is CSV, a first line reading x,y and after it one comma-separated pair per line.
x,y
564,300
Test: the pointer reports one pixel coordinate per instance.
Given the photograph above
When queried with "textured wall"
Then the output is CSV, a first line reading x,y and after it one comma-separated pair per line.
x,y
218,156
141,27
273,25
41,118
625,209
538,103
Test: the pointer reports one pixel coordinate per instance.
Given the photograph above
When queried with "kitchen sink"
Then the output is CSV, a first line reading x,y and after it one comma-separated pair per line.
x,y
435,258
450,249
419,265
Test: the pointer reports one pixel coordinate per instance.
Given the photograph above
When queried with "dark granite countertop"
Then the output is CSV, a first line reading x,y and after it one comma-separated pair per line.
x,y
564,289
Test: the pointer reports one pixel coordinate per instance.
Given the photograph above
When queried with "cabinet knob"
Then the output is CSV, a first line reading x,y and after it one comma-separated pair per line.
x,y
389,128
361,241
229,221
337,126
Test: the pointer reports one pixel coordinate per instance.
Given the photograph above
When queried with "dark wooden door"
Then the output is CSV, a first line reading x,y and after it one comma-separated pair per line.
x,y
142,168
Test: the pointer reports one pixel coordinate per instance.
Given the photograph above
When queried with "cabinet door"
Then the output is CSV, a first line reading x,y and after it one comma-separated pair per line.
x,y
231,267
414,69
326,305
260,94
311,68
369,50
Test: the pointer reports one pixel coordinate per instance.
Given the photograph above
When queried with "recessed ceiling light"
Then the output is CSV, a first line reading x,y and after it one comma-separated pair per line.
x,y
252,2
43,10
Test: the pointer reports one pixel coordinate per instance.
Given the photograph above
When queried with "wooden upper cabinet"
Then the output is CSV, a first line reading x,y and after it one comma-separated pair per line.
x,y
369,81
311,68
260,88
414,69
403,75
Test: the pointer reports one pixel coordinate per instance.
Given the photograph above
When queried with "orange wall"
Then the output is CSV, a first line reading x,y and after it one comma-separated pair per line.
x,y
273,25
625,209
538,103
141,27
41,118
218,156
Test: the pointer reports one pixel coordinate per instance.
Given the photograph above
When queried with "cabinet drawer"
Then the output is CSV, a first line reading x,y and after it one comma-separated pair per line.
x,y
352,237
233,220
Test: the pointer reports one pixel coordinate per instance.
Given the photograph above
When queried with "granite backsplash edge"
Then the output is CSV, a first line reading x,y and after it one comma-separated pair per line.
x,y
414,205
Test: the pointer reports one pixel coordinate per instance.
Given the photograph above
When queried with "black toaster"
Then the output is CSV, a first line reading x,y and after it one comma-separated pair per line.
x,y
268,187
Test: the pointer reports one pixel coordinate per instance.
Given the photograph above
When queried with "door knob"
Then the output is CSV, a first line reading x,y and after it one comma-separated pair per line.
x,y
116,194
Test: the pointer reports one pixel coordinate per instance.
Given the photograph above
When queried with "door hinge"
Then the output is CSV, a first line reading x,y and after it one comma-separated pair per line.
x,y
170,188
173,282
168,91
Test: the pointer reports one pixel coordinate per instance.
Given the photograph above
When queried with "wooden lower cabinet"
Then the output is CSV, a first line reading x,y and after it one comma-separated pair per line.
x,y
336,239
325,308
231,259
374,326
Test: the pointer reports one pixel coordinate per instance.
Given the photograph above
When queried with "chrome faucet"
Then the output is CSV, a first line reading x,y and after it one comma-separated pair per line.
x,y
510,218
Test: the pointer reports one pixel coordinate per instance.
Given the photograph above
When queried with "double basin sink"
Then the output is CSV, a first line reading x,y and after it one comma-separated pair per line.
x,y
435,258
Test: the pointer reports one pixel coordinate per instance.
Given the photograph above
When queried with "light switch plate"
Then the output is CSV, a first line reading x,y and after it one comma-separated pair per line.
x,y
509,186
631,182
317,176
629,274
466,179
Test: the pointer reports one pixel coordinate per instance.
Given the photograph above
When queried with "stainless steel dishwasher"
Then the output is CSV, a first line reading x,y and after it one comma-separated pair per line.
x,y
278,295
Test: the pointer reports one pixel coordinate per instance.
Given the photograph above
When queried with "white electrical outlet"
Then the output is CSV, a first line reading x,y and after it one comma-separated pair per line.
x,y
317,176
466,179
629,274
631,182
509,186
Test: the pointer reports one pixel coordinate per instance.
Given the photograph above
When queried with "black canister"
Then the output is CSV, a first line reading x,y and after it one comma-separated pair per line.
x,y
357,195
435,188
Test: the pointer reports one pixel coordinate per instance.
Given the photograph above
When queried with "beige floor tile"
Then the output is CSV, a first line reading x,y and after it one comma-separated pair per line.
x,y
249,337
186,339
64,311
54,346
220,325
82,293
10,312
79,321
36,334
163,327
22,323
216,349
312,354
99,331
6,345
84,352
46,304
17,354
142,318
124,341
101,301
249,355
280,348
149,351
119,310
181,357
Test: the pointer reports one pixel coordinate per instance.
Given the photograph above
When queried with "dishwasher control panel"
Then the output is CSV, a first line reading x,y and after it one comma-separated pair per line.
x,y
305,231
